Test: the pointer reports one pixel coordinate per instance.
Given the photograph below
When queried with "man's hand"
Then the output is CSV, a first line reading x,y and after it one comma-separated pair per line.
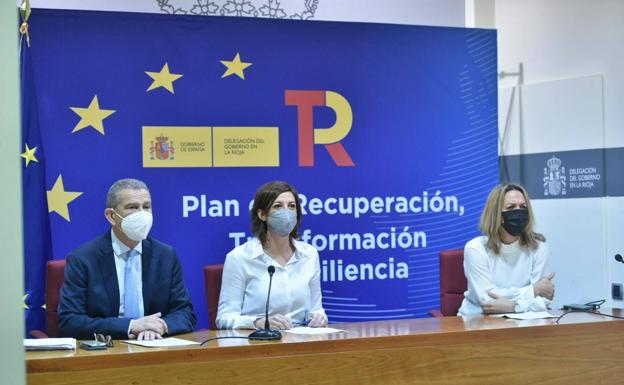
x,y
276,321
149,335
151,322
498,305
545,287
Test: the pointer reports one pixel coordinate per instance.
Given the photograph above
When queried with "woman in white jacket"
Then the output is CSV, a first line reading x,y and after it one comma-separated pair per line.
x,y
506,266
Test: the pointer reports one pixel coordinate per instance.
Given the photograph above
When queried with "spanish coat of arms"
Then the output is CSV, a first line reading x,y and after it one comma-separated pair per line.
x,y
554,177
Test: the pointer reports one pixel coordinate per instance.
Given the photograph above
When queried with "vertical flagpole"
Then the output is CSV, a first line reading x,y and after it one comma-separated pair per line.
x,y
12,364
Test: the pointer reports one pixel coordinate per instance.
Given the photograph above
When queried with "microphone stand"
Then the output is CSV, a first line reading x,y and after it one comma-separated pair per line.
x,y
267,334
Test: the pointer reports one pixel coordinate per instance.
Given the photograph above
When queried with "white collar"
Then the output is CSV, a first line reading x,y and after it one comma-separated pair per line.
x,y
257,251
119,248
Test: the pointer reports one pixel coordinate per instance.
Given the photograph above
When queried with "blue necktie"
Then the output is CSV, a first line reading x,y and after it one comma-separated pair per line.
x,y
132,286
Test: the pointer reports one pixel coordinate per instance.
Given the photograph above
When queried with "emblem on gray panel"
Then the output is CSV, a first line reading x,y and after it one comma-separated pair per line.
x,y
554,177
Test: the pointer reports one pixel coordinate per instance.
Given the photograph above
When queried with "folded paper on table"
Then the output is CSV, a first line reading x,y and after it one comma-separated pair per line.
x,y
307,330
50,343
165,342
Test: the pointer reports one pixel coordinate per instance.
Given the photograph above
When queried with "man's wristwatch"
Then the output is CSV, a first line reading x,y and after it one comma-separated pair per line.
x,y
517,308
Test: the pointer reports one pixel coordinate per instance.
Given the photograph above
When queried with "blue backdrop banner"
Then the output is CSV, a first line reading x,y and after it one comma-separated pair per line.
x,y
389,132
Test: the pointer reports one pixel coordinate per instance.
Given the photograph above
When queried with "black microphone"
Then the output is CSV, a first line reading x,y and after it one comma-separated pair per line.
x,y
267,334
619,258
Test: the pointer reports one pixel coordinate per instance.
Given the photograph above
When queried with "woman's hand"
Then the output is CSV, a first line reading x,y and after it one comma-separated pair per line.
x,y
545,287
317,320
276,321
500,304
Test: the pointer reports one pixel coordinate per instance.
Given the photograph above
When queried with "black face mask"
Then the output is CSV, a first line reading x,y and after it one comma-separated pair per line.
x,y
515,221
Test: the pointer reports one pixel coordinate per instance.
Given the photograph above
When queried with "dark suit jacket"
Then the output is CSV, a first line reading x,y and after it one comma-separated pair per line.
x,y
90,294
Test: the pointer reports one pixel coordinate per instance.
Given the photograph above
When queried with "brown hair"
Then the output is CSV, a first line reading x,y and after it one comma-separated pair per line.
x,y
492,219
265,196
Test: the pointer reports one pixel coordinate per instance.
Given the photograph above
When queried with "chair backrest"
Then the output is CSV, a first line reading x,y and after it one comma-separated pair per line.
x,y
453,282
212,278
55,271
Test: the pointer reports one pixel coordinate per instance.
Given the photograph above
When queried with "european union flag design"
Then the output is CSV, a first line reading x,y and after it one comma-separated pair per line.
x,y
388,131
37,246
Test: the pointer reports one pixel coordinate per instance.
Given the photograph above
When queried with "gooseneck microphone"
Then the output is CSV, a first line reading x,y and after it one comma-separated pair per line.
x,y
619,258
267,334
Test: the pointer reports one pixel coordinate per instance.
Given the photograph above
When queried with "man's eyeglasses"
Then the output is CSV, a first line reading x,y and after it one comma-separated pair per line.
x,y
108,340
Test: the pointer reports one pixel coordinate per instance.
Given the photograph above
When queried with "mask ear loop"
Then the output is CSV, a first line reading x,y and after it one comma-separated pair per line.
x,y
116,213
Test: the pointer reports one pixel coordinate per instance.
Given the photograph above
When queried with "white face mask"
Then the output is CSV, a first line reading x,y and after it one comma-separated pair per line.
x,y
137,225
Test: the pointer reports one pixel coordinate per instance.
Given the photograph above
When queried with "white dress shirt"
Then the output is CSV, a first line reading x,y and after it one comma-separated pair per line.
x,y
510,274
296,289
121,256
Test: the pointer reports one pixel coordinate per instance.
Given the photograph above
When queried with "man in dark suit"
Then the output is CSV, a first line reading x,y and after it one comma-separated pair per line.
x,y
124,283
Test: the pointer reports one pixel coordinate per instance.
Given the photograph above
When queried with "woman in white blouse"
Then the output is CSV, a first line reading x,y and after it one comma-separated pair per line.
x,y
296,289
506,267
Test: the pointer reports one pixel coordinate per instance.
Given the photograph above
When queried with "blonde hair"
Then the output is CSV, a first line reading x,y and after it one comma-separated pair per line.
x,y
491,219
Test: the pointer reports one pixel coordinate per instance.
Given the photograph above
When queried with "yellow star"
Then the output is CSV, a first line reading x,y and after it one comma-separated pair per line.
x,y
164,78
24,299
58,198
91,116
29,154
235,66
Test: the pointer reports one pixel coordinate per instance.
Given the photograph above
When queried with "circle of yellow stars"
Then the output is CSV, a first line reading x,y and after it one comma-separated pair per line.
x,y
93,116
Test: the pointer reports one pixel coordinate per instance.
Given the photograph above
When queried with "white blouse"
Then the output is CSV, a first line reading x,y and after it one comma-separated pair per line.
x,y
295,292
510,274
